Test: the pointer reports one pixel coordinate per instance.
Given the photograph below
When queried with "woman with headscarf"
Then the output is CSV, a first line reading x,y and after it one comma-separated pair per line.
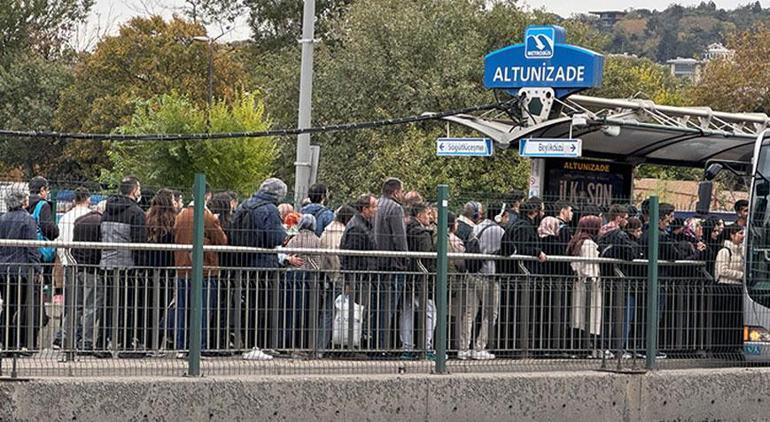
x,y
553,294
587,294
296,287
712,236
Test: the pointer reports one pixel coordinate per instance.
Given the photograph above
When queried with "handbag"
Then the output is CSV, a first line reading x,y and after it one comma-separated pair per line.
x,y
47,254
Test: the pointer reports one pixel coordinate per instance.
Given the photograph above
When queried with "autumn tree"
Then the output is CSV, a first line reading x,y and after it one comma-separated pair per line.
x,y
148,57
740,84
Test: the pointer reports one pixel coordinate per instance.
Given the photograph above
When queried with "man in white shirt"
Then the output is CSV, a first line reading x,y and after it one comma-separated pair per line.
x,y
67,223
66,230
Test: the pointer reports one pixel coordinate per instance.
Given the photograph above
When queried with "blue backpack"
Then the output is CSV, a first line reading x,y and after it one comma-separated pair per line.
x,y
46,254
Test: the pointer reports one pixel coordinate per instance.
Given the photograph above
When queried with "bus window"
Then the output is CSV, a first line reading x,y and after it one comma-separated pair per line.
x,y
758,232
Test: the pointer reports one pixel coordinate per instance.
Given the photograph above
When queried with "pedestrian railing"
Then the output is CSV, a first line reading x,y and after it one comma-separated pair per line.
x,y
136,321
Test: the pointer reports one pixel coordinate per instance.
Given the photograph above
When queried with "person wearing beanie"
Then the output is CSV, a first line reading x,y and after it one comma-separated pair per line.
x,y
257,223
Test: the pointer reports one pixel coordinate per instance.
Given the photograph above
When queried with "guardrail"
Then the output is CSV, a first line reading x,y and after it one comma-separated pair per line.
x,y
332,318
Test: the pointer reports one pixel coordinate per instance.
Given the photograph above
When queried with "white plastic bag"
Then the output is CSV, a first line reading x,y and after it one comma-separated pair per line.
x,y
341,325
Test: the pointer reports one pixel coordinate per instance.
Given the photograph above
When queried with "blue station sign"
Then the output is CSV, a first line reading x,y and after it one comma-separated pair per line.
x,y
544,60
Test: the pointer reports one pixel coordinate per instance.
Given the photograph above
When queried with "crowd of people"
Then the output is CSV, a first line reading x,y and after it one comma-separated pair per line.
x,y
395,221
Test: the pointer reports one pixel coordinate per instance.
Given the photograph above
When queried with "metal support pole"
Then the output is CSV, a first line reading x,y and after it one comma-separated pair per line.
x,y
210,94
303,163
652,282
196,289
441,280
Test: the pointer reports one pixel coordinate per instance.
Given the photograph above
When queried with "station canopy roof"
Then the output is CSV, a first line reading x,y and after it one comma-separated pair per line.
x,y
635,131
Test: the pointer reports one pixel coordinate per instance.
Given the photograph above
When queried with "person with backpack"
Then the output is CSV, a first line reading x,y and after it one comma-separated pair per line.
x,y
41,209
472,214
257,223
482,287
729,273
323,215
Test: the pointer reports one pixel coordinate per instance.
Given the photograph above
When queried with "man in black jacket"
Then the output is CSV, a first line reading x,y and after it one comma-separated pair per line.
x,y
360,270
521,237
123,222
38,189
419,239
19,267
359,236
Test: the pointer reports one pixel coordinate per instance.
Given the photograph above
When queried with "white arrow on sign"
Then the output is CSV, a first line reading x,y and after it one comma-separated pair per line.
x,y
464,147
555,148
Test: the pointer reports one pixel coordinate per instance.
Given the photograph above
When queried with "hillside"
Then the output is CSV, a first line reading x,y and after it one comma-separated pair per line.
x,y
678,31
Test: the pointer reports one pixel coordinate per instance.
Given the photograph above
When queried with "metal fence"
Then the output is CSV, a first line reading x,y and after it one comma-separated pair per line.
x,y
525,316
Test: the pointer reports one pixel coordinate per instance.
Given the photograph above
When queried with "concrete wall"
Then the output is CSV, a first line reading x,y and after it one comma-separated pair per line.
x,y
714,394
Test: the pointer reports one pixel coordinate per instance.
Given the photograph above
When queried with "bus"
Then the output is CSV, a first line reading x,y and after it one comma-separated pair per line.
x,y
756,297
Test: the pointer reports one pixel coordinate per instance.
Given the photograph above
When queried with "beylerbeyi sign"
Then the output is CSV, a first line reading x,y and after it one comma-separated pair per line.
x,y
543,60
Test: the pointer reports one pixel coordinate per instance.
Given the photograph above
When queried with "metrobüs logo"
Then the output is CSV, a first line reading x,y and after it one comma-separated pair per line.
x,y
539,43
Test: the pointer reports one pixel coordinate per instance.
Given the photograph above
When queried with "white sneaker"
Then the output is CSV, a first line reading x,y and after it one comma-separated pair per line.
x,y
256,354
181,355
482,355
464,354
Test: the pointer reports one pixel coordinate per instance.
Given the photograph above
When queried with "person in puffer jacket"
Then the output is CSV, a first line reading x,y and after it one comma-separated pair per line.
x,y
257,223
123,222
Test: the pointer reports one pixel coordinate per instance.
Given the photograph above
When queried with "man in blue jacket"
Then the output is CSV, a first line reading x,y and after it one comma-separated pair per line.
x,y
19,267
257,223
323,215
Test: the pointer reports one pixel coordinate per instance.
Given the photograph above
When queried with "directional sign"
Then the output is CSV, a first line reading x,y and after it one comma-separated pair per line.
x,y
555,148
464,147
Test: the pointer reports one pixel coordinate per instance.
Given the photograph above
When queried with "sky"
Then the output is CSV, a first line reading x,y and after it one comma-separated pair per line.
x,y
107,15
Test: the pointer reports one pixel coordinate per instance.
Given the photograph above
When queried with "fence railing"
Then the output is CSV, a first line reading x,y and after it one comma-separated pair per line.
x,y
536,313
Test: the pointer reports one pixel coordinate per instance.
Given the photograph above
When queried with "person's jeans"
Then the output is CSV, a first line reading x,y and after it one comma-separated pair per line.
x,y
628,319
294,292
386,297
326,318
208,302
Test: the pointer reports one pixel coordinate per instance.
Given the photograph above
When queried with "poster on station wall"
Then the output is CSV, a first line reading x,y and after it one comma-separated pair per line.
x,y
587,182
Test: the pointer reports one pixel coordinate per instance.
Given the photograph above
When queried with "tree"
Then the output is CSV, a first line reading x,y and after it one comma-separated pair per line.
x,y
398,58
627,77
39,26
278,23
741,84
148,57
238,164
29,95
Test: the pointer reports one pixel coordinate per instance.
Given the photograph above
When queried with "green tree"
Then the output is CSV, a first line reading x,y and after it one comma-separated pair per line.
x,y
29,95
39,26
627,77
278,23
238,164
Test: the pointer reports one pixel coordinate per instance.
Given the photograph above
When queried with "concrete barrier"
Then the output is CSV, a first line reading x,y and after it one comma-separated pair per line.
x,y
707,394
